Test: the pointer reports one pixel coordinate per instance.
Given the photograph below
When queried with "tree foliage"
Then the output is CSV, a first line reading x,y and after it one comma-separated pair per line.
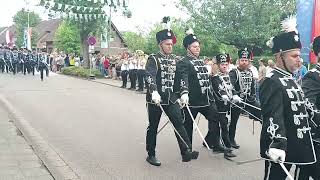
x,y
134,41
209,46
67,38
20,20
89,16
239,22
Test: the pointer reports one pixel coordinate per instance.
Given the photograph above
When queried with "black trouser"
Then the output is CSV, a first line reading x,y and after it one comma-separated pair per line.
x,y
235,113
20,67
312,170
32,68
273,171
41,69
124,77
133,78
2,65
59,67
8,66
223,122
173,111
211,114
141,74
14,68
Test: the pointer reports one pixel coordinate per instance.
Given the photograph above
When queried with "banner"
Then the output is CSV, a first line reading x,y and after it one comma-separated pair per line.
x,y
304,20
27,38
315,27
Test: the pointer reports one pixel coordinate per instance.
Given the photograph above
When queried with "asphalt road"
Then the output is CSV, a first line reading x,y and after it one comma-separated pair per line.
x,y
99,130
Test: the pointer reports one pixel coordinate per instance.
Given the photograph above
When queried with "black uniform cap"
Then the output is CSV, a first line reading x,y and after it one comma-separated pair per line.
x,y
166,33
316,46
288,40
245,53
190,38
222,58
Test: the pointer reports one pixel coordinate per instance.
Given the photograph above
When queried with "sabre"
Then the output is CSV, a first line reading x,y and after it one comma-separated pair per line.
x,y
249,114
247,104
286,171
163,127
199,116
173,126
196,126
168,120
246,111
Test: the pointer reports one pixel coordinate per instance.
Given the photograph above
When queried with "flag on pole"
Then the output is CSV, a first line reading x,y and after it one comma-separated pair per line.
x,y
304,21
29,34
315,27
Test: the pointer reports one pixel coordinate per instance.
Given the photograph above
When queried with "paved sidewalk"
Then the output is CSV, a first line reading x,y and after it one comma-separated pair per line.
x,y
17,159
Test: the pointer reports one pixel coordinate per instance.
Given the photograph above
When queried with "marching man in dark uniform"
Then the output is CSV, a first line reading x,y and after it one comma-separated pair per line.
x,y
43,63
285,134
193,82
160,73
33,60
223,91
8,59
15,60
2,60
242,80
311,88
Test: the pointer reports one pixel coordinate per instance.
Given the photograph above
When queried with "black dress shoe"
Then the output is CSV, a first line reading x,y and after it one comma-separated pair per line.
x,y
153,161
186,156
228,153
195,154
218,149
234,145
122,87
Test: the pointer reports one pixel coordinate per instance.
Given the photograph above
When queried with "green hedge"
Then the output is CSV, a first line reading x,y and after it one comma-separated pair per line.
x,y
80,72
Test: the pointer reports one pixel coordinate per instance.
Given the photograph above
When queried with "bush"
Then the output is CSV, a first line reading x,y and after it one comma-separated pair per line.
x,y
80,72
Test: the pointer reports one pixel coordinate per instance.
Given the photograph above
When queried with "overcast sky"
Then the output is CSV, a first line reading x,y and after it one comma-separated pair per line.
x,y
145,13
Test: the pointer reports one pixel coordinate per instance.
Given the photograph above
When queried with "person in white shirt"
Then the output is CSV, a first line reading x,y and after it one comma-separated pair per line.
x,y
124,72
132,73
141,64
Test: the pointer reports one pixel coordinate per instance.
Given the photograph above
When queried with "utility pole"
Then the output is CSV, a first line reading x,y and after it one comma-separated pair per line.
x,y
28,26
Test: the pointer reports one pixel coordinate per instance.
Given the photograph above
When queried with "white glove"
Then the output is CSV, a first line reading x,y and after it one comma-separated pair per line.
x,y
277,155
184,99
156,98
225,98
236,99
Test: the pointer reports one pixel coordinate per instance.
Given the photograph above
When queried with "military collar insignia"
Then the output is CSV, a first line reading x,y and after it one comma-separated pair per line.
x,y
283,72
164,56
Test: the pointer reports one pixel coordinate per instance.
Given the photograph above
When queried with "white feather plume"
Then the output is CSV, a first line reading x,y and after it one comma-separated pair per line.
x,y
270,43
189,31
289,24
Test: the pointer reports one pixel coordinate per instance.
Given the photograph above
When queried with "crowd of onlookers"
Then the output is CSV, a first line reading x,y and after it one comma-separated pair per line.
x,y
131,66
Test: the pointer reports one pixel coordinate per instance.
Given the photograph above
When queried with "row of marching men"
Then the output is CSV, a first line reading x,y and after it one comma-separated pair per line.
x,y
134,67
289,113
22,60
186,84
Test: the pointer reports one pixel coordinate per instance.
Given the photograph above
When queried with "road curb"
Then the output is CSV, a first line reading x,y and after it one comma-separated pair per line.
x,y
58,168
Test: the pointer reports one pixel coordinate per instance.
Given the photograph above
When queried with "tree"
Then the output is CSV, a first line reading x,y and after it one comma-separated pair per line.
x,y
134,41
67,38
88,15
239,22
209,46
21,22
